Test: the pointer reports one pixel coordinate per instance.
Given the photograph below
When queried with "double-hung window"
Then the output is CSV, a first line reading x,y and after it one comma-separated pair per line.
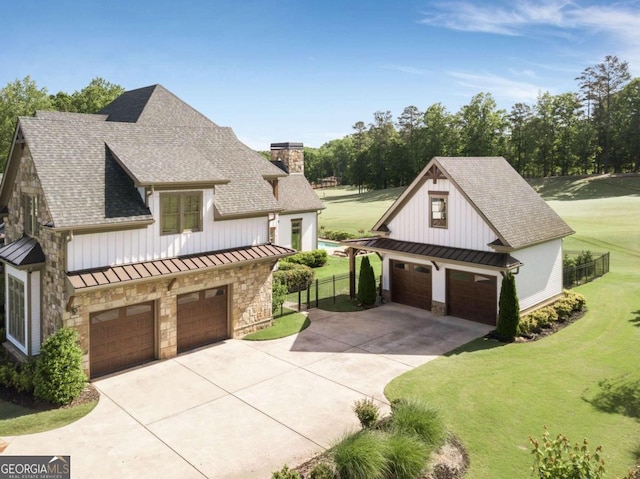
x,y
16,318
180,212
30,204
438,203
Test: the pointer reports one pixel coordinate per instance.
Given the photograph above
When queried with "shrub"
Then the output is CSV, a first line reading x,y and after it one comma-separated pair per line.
x,y
509,309
577,300
367,411
295,276
322,471
17,376
563,308
285,473
557,459
366,283
413,416
59,377
338,235
406,456
313,259
279,292
361,456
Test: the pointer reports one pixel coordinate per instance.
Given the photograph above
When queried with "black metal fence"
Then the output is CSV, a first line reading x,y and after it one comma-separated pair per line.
x,y
580,273
326,293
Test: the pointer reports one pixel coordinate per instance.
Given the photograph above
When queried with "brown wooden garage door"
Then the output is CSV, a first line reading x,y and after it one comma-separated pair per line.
x,y
411,284
471,296
121,338
202,318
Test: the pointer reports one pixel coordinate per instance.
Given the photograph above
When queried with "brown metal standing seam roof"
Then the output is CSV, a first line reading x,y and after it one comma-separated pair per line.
x,y
167,267
430,251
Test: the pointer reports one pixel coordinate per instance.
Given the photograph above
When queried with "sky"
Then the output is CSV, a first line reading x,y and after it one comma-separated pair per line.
x,y
307,70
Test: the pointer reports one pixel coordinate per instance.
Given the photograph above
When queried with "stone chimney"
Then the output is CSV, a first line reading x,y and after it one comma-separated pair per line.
x,y
290,154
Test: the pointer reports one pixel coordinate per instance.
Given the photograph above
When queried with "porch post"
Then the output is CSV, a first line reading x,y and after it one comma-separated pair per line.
x,y
352,272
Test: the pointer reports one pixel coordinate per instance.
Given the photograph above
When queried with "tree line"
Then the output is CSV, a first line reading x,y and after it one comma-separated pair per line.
x,y
593,130
24,97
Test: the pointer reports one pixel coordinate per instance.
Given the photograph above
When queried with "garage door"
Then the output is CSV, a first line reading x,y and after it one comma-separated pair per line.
x,y
202,318
121,338
411,284
471,296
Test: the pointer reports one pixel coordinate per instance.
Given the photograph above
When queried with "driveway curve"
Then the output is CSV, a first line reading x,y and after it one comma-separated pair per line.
x,y
242,409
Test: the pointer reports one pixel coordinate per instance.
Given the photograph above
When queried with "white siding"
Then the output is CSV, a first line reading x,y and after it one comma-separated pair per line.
x,y
130,246
466,228
541,276
35,312
309,230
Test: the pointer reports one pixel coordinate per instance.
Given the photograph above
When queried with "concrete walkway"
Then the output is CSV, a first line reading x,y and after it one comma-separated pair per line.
x,y
242,409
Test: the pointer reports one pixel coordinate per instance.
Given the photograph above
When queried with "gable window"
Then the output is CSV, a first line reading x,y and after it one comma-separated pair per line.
x,y
296,234
438,210
30,215
16,323
180,212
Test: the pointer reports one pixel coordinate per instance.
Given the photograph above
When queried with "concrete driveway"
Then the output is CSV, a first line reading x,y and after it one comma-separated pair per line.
x,y
242,409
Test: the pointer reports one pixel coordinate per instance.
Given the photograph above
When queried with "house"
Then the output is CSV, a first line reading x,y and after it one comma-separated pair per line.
x,y
296,225
146,227
459,227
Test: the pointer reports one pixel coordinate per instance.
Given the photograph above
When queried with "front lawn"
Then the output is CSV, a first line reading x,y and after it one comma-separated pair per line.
x,y
17,420
495,396
291,322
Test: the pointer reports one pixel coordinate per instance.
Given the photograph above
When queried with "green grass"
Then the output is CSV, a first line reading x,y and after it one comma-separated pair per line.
x,y
337,266
17,420
346,210
496,396
289,323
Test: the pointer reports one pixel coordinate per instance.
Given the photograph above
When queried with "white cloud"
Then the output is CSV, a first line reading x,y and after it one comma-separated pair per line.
x,y
501,88
618,22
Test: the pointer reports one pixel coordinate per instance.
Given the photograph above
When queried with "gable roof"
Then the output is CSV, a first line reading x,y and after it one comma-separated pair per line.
x,y
90,165
511,207
295,194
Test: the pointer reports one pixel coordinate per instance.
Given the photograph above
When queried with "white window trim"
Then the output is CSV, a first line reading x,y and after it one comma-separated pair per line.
x,y
22,277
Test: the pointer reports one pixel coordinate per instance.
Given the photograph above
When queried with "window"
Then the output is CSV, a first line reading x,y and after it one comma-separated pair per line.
x,y
438,210
296,234
272,234
180,212
30,215
16,310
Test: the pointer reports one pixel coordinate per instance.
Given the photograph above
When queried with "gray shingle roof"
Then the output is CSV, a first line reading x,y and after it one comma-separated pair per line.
x,y
295,194
155,138
511,207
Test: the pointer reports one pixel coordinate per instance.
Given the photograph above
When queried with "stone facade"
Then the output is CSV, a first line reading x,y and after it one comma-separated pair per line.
x,y
53,243
438,308
249,306
249,285
291,154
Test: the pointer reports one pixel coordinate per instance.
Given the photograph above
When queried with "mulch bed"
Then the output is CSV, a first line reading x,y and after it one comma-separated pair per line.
x,y
552,329
89,394
451,461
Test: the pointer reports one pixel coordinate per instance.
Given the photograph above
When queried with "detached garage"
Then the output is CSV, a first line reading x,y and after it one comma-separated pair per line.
x,y
121,338
469,220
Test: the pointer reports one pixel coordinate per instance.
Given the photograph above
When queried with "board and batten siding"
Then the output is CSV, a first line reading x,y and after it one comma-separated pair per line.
x,y
111,248
465,229
541,276
309,230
